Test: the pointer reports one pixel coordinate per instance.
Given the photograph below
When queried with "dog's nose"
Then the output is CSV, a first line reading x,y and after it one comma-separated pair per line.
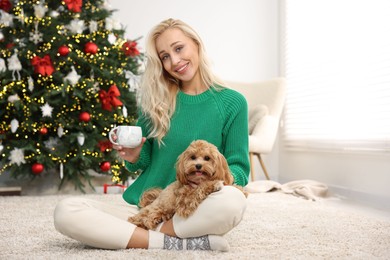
x,y
198,166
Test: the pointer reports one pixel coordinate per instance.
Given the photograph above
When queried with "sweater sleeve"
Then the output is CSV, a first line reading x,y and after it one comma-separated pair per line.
x,y
145,155
236,137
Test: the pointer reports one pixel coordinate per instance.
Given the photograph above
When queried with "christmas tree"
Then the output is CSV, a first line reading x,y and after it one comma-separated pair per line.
x,y
67,77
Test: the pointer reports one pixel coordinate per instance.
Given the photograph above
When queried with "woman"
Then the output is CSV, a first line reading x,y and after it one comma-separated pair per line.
x,y
181,101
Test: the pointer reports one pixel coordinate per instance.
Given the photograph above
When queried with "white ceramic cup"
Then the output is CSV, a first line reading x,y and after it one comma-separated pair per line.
x,y
127,136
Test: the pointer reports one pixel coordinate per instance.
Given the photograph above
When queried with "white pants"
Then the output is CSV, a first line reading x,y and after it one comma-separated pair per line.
x,y
105,225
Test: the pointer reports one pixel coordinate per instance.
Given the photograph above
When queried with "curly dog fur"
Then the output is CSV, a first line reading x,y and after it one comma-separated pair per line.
x,y
200,170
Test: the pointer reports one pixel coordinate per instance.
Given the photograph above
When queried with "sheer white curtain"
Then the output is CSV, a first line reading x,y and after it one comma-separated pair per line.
x,y
336,58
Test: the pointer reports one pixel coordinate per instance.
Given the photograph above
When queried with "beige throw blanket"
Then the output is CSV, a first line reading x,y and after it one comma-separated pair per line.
x,y
308,189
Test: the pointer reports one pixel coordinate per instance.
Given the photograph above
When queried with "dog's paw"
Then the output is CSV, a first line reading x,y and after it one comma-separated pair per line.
x,y
167,217
137,221
218,186
152,223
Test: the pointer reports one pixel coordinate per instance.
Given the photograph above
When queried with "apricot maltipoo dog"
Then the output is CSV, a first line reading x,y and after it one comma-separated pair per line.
x,y
200,170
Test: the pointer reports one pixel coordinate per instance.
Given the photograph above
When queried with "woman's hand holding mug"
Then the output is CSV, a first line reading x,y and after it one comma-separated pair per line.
x,y
128,141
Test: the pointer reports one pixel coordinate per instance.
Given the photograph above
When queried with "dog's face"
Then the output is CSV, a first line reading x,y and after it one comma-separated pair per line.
x,y
202,161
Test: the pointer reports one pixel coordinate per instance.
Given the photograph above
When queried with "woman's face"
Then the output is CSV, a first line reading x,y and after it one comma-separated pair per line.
x,y
179,56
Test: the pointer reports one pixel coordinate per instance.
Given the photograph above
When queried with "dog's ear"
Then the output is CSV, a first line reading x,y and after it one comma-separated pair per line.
x,y
223,169
180,168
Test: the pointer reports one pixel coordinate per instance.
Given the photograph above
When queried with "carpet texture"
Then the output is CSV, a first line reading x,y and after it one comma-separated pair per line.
x,y
276,226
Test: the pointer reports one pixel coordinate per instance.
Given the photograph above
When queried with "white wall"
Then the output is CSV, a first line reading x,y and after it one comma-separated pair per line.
x,y
241,37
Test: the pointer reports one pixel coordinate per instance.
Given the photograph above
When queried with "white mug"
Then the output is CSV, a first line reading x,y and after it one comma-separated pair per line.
x,y
127,136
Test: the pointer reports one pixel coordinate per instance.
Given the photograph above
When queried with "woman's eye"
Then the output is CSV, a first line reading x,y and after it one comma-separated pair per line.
x,y
164,57
193,157
178,49
206,158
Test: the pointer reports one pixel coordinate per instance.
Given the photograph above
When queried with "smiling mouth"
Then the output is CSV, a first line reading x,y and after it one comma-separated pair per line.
x,y
197,173
182,68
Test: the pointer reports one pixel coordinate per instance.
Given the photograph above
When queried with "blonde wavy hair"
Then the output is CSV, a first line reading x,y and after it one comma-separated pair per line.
x,y
158,89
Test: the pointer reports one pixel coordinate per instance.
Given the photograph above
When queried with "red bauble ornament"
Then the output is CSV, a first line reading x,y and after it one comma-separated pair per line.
x,y
43,131
90,48
63,50
37,168
84,117
5,5
105,166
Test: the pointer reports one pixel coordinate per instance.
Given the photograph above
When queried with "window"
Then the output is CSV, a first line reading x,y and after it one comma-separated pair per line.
x,y
336,59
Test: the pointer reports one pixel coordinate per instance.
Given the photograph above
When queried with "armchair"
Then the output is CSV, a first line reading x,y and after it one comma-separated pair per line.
x,y
265,104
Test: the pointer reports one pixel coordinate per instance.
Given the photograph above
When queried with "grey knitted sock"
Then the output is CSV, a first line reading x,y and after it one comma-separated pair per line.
x,y
208,242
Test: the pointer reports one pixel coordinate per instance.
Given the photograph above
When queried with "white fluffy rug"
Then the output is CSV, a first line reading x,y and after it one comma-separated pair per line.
x,y
276,226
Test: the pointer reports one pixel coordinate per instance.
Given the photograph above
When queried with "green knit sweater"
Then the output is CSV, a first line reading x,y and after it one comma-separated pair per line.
x,y
219,117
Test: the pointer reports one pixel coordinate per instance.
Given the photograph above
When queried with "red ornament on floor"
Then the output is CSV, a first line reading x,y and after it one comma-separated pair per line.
x,y
84,117
37,168
105,166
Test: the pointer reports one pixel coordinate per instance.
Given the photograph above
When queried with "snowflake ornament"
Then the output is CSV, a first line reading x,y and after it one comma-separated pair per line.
x,y
95,88
21,43
36,36
52,143
46,110
72,77
17,156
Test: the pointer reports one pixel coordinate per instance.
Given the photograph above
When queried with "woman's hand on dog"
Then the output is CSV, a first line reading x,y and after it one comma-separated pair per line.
x,y
129,154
